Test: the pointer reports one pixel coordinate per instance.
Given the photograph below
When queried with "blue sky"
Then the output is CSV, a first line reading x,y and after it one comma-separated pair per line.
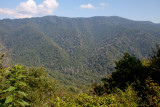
x,y
142,10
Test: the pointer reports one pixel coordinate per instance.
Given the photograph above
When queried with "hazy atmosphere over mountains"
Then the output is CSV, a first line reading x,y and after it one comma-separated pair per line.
x,y
81,48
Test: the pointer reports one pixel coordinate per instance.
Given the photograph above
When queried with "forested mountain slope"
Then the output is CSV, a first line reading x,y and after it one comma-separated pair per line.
x,y
76,50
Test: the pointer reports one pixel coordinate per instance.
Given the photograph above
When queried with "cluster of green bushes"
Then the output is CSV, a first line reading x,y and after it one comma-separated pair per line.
x,y
23,86
119,98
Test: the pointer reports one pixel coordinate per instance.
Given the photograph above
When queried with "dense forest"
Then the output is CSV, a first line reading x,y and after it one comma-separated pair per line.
x,y
134,82
77,52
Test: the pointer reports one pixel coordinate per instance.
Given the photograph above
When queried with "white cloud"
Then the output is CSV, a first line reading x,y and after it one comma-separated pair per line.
x,y
30,8
87,6
7,11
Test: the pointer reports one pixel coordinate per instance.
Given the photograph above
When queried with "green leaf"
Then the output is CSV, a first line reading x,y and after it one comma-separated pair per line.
x,y
9,99
26,103
12,79
3,91
22,83
22,103
11,88
8,82
21,76
22,93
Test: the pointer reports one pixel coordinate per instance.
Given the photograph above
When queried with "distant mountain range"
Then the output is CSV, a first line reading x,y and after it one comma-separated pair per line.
x,y
76,51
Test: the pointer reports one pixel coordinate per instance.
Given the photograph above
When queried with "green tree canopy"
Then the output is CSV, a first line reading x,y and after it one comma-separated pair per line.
x,y
155,64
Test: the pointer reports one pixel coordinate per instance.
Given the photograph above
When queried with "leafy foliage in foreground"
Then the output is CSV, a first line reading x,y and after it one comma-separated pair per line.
x,y
12,92
153,93
41,87
119,98
22,86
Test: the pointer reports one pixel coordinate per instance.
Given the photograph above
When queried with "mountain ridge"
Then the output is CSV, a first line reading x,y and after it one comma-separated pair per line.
x,y
77,48
82,18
